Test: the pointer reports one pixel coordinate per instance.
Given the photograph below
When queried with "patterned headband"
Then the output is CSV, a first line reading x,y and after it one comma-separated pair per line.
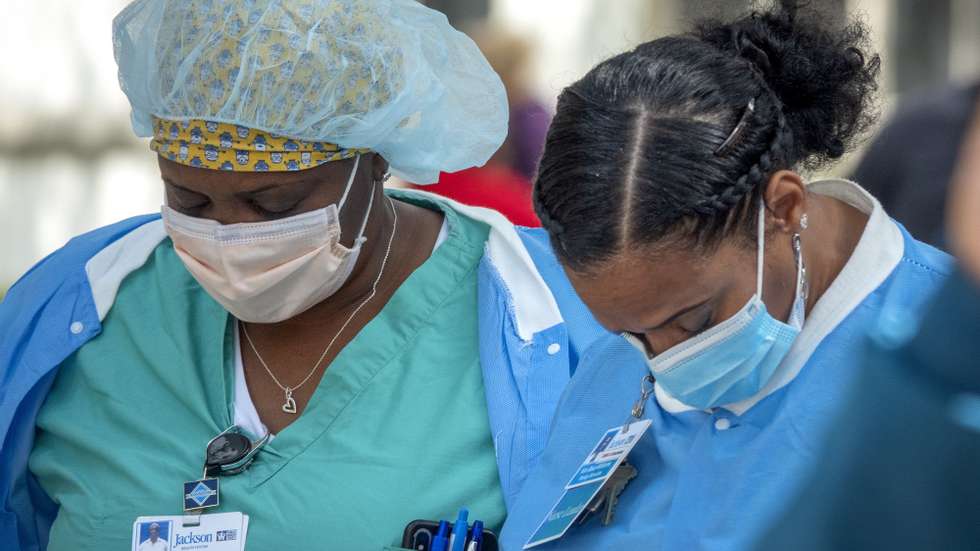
x,y
222,146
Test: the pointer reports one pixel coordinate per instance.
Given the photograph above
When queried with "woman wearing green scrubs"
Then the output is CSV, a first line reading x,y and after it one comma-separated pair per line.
x,y
283,291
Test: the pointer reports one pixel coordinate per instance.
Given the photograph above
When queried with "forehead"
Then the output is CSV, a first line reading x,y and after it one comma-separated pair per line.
x,y
639,288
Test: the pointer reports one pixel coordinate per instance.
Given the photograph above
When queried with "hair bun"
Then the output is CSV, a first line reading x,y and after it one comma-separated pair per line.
x,y
753,53
821,70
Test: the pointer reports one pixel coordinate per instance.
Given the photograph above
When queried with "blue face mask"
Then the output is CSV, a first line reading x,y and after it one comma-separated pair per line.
x,y
735,359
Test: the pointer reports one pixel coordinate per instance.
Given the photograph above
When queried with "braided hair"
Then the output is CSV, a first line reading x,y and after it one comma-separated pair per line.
x,y
672,143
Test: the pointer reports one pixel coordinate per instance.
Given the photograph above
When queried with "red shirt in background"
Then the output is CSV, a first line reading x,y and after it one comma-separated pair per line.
x,y
493,186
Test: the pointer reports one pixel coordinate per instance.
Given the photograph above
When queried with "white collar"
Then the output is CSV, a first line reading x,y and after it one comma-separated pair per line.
x,y
874,258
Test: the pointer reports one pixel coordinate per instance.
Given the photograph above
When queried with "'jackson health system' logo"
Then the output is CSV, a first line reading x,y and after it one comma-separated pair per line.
x,y
192,538
199,494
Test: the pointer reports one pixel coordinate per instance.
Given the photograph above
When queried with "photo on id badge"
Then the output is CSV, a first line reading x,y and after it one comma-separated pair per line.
x,y
153,536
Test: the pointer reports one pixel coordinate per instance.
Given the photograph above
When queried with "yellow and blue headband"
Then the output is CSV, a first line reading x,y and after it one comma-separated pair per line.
x,y
222,146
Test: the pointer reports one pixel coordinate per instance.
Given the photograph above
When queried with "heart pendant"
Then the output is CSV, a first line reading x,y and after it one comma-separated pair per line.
x,y
290,405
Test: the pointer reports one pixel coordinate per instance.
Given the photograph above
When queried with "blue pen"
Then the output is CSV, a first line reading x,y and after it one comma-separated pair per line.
x,y
440,540
458,540
476,541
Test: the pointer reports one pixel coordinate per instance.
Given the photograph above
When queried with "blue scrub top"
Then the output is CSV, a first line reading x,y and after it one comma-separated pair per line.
x,y
708,480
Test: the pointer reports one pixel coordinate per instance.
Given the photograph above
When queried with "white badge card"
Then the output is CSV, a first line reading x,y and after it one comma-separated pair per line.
x,y
215,532
594,471
612,448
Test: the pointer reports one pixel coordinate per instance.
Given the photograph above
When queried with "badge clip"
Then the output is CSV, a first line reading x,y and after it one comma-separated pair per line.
x,y
229,453
640,406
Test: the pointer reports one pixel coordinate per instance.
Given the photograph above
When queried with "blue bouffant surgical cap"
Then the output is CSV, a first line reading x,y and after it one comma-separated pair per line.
x,y
391,76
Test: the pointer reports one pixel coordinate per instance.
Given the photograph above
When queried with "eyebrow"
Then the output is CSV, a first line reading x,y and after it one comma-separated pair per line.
x,y
680,313
249,193
272,186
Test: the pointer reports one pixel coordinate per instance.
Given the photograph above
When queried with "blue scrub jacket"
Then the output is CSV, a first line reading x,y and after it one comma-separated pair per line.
x,y
528,350
713,480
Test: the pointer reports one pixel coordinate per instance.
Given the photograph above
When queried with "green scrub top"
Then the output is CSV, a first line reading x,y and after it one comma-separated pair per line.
x,y
397,429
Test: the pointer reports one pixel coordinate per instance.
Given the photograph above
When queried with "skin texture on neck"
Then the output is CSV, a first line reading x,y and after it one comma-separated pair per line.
x,y
668,294
292,347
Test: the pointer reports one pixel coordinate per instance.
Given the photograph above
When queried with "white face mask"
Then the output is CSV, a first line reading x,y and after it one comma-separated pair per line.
x,y
266,272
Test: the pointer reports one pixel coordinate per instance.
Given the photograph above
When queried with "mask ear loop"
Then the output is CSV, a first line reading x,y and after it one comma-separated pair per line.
x,y
350,182
801,286
761,244
360,240
360,235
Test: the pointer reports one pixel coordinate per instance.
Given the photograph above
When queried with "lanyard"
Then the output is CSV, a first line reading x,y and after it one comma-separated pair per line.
x,y
229,453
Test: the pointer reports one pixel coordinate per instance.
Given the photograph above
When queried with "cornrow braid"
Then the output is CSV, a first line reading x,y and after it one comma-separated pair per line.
x,y
553,226
756,175
779,146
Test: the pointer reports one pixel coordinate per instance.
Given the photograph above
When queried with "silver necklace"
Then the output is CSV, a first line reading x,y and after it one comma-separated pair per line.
x,y
289,405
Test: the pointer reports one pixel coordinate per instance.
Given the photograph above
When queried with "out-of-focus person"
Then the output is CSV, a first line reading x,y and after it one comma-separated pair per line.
x,y
901,472
910,163
504,183
509,54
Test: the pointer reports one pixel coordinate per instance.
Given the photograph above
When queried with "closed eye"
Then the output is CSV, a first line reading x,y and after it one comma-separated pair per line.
x,y
276,210
186,199
696,321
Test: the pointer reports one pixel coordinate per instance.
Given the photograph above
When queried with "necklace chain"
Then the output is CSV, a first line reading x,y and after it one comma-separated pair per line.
x,y
290,406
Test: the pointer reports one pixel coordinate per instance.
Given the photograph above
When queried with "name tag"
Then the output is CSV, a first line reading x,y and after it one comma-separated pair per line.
x,y
217,532
595,470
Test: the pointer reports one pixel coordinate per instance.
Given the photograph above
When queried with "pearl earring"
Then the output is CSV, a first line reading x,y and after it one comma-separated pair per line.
x,y
804,221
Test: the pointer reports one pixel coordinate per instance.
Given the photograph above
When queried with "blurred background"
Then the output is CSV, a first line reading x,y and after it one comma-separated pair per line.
x,y
70,163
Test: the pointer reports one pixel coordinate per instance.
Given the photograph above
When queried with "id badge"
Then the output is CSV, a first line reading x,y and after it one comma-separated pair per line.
x,y
611,450
217,532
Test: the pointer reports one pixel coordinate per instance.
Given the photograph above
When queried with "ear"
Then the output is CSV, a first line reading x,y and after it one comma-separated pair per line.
x,y
785,198
379,168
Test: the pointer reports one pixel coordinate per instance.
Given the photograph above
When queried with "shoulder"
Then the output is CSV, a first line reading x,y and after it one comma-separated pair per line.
x,y
938,107
78,280
75,254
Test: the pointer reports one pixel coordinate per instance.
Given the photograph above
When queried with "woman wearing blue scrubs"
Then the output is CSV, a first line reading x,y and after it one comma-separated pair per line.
x,y
671,189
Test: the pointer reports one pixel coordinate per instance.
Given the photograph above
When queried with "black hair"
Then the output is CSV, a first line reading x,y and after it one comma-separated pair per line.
x,y
634,154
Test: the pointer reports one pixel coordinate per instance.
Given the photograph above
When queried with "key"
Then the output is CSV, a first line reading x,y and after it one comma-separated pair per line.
x,y
608,494
617,483
594,505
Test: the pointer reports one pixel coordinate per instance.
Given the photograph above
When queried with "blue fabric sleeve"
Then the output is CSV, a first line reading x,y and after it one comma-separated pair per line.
x,y
35,337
